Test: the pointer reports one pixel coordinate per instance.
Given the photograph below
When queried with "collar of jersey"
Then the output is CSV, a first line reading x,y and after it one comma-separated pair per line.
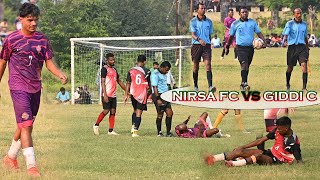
x,y
205,17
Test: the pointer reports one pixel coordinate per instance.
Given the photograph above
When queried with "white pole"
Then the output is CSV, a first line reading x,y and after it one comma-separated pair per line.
x,y
72,71
101,60
180,65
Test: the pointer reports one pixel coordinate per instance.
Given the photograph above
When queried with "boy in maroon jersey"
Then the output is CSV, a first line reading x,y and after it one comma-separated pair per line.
x,y
109,80
138,81
25,51
286,148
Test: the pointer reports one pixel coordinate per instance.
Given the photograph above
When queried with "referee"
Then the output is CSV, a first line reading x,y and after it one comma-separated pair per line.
x,y
295,35
244,30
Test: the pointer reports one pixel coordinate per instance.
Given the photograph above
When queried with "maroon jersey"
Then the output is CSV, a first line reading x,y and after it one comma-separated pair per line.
x,y
111,75
139,78
26,55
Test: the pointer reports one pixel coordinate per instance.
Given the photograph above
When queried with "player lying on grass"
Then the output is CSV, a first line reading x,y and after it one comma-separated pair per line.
x,y
286,148
202,128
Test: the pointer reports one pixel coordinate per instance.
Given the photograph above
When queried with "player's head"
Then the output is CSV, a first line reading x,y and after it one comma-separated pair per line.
x,y
164,67
243,12
28,16
230,12
283,125
142,59
201,9
62,90
297,13
155,65
181,128
110,60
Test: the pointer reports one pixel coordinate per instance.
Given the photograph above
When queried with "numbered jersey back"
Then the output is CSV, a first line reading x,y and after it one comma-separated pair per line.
x,y
139,84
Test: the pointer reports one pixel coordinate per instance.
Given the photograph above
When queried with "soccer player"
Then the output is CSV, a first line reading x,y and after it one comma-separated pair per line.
x,y
295,35
244,30
109,80
227,24
286,149
202,128
159,86
237,115
201,29
25,51
138,81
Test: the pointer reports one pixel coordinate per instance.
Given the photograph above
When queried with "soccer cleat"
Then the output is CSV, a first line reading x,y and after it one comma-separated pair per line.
x,y
169,135
221,58
244,87
196,89
132,129
305,90
33,172
135,133
113,133
160,134
9,163
236,59
220,135
96,130
212,89
229,163
208,159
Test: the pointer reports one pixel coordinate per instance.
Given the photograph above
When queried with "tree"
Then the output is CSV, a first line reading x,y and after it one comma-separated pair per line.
x,y
273,6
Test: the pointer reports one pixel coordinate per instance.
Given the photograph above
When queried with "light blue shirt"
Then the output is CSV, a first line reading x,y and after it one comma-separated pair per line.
x,y
64,97
159,80
296,32
244,31
202,29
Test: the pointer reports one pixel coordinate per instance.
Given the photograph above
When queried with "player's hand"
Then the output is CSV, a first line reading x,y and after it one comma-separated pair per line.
x,y
63,78
125,99
105,99
202,42
285,44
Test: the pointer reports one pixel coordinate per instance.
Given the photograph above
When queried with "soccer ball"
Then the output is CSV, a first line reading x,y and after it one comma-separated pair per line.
x,y
257,43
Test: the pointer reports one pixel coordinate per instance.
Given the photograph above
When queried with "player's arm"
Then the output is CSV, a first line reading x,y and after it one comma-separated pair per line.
x,y
255,143
126,96
195,37
187,120
229,41
3,65
103,84
56,71
121,84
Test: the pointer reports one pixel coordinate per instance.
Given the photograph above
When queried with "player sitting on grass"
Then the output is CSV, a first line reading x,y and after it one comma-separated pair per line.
x,y
286,148
202,128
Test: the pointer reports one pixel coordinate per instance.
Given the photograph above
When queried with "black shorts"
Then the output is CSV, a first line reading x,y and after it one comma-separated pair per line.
x,y
137,105
274,159
296,53
245,54
163,107
112,103
198,51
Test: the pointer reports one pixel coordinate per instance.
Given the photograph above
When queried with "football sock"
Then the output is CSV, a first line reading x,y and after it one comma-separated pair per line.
x,y
29,157
209,78
220,157
195,78
241,162
111,122
137,123
223,52
239,121
288,77
244,76
100,118
208,121
159,122
14,149
133,118
218,120
235,53
168,124
305,80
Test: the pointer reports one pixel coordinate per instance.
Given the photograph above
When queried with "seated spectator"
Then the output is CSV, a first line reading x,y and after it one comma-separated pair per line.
x,y
84,97
63,96
268,40
276,41
215,42
4,26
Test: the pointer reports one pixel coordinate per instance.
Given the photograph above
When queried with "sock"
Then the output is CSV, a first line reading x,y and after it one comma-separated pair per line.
x,y
223,52
304,80
195,79
29,157
288,76
14,149
209,78
235,53
241,162
133,118
111,122
239,121
137,123
168,124
244,76
220,157
208,121
218,120
100,118
159,122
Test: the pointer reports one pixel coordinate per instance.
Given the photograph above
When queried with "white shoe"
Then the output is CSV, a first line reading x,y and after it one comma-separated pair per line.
x,y
236,59
96,130
135,133
113,133
220,135
221,58
132,129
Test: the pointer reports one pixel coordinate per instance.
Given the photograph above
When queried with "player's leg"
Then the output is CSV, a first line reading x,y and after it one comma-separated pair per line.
x,y
169,114
140,108
235,53
160,113
303,61
211,132
222,54
260,159
134,115
196,52
112,116
106,108
239,120
219,118
291,62
207,56
243,57
10,160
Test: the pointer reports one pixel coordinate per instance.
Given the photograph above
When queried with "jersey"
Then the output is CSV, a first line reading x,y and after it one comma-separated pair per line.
x,y
227,23
140,80
25,56
244,31
286,149
111,75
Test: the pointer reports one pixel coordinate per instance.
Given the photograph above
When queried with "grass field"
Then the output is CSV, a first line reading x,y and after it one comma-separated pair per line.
x,y
67,149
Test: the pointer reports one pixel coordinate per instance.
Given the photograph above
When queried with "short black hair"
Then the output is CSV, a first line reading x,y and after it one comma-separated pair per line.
x,y
155,63
242,7
62,89
198,5
141,58
230,10
109,55
29,9
284,121
165,64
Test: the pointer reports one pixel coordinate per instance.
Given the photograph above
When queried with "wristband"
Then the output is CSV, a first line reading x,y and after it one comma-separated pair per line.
x,y
198,39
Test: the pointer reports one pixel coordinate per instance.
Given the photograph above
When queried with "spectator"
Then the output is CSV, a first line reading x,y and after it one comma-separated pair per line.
x,y
155,66
268,40
63,96
17,23
276,41
84,97
4,26
215,42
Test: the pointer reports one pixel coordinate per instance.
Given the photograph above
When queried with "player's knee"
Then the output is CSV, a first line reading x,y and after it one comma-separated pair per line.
x,y
159,116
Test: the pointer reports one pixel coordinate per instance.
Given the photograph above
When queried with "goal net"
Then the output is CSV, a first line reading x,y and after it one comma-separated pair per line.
x,y
87,58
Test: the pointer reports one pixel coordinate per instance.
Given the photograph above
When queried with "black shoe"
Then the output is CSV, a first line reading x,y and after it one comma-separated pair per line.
x,y
244,87
170,135
288,87
212,89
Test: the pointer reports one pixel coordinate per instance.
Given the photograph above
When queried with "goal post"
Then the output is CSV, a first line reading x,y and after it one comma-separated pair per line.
x,y
87,58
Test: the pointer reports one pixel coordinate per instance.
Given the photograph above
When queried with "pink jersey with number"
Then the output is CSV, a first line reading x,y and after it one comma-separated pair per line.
x,y
139,84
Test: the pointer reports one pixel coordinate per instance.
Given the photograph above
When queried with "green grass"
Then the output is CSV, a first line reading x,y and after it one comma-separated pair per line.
x,y
67,149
